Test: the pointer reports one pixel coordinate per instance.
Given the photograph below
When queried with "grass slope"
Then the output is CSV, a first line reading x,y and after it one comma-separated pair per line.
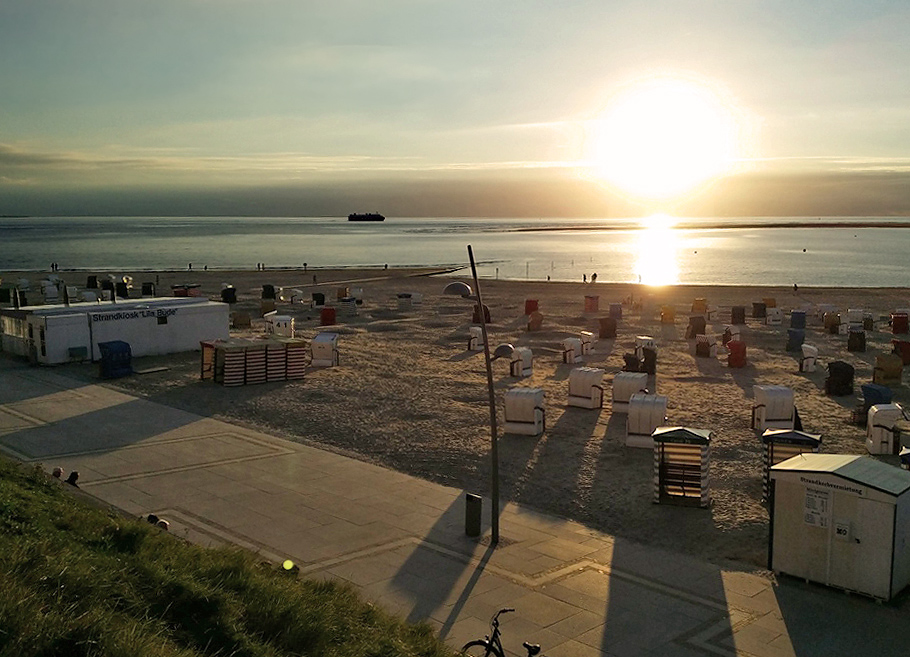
x,y
75,580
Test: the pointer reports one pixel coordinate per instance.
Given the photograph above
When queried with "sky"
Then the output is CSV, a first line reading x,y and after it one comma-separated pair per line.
x,y
422,108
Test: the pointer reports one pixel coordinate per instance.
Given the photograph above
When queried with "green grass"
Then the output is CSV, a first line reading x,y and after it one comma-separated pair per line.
x,y
75,580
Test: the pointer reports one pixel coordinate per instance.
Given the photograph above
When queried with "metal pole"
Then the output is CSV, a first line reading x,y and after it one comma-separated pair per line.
x,y
494,443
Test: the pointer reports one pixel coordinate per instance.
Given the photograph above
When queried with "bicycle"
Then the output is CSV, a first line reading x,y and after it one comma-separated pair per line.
x,y
491,645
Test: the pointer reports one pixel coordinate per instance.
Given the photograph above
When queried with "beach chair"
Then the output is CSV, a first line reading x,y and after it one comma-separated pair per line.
x,y
475,339
643,342
706,346
535,321
856,339
873,394
736,354
738,315
731,332
646,413
797,319
530,306
795,339
839,382
280,325
832,322
880,428
667,315
625,384
773,408
759,310
648,361
809,359
902,349
682,458
700,306
607,328
888,370
631,363
900,323
774,316
592,304
587,342
697,325
476,316
571,350
524,412
586,387
522,363
324,350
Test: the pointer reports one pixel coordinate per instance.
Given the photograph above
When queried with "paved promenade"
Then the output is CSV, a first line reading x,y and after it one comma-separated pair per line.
x,y
577,592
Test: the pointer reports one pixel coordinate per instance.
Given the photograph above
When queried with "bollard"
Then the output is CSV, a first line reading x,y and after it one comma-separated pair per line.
x,y
473,505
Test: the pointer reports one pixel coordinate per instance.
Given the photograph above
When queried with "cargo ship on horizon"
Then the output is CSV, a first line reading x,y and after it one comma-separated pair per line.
x,y
365,216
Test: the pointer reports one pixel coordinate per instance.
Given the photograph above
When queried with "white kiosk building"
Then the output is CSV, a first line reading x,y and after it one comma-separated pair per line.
x,y
59,333
841,520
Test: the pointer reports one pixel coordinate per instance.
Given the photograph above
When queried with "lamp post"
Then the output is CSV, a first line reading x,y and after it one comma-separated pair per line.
x,y
465,291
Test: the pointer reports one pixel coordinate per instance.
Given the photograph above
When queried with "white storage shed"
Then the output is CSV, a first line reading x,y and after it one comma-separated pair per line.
x,y
586,387
646,413
625,384
841,520
53,334
773,408
524,412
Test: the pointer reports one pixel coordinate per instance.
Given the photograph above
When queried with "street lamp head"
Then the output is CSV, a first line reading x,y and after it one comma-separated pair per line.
x,y
457,288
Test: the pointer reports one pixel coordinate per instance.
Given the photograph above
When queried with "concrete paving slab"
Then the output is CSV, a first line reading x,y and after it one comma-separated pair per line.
x,y
401,540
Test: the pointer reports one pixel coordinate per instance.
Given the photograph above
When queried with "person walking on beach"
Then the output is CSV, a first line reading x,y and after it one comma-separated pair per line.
x,y
594,277
584,278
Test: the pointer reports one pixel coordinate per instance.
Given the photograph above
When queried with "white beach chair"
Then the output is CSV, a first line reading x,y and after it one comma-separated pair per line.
x,y
773,408
625,384
571,350
475,338
586,387
324,350
646,413
809,359
522,363
524,412
774,316
880,428
587,342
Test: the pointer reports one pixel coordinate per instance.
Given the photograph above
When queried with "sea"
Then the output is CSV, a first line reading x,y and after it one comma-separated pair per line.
x,y
657,250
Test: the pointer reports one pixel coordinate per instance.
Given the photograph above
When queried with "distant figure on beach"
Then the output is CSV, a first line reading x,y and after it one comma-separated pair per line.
x,y
205,267
190,267
304,266
584,278
594,277
795,287
386,267
548,278
73,478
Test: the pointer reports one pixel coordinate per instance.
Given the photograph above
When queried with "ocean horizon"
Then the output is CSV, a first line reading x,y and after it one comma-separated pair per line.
x,y
659,250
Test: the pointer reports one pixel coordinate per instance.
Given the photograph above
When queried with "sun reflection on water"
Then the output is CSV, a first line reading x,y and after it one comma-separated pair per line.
x,y
658,243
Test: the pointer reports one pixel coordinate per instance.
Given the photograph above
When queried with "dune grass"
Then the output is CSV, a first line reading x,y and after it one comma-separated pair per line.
x,y
76,580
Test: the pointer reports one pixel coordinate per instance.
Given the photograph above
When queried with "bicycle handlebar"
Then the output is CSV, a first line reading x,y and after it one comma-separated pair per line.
x,y
504,610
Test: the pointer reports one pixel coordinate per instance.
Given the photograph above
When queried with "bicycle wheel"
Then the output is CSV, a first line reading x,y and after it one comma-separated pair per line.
x,y
480,649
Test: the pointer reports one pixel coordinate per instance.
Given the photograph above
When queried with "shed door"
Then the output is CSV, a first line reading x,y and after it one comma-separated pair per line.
x,y
861,542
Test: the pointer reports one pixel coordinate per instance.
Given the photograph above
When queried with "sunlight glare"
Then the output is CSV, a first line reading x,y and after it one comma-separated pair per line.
x,y
657,246
662,137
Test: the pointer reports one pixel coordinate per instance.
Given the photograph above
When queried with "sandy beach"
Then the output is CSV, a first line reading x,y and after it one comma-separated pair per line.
x,y
409,396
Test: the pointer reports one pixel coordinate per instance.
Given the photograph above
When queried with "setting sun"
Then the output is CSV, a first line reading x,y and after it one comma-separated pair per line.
x,y
661,137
